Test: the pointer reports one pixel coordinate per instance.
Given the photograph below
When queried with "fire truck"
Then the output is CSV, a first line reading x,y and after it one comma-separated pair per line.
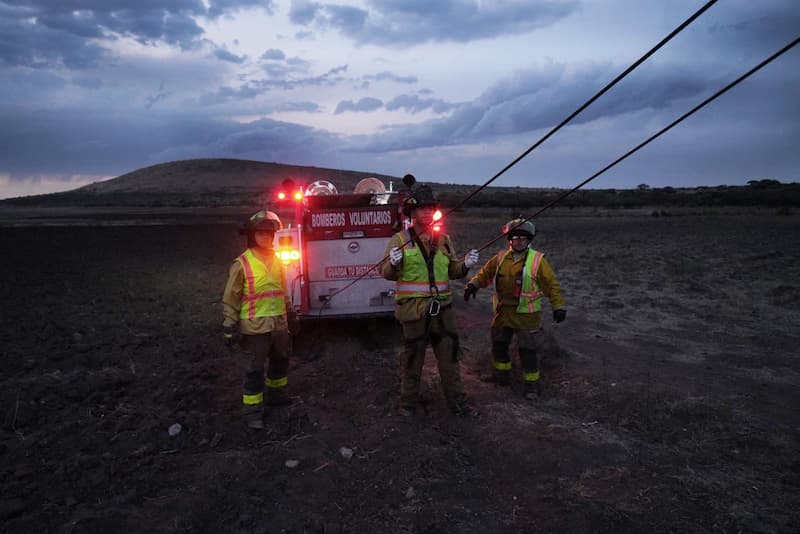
x,y
332,251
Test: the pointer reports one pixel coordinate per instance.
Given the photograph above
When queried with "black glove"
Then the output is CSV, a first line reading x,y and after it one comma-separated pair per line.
x,y
230,336
470,291
294,323
559,315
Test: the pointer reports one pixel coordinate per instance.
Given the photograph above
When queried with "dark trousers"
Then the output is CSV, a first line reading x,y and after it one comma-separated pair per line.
x,y
441,335
529,343
273,347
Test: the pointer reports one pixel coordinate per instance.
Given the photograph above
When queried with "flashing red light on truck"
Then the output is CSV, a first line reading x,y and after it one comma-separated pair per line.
x,y
335,241
281,195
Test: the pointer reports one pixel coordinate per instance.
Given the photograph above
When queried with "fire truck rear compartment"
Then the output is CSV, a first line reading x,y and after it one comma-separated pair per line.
x,y
335,263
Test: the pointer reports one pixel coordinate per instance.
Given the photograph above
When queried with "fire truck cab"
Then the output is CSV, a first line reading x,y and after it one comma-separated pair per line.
x,y
332,251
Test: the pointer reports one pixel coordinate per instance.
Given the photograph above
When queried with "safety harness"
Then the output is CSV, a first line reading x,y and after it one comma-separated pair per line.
x,y
435,306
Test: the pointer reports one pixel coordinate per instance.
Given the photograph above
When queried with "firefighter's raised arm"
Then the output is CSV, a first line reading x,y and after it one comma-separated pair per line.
x,y
392,258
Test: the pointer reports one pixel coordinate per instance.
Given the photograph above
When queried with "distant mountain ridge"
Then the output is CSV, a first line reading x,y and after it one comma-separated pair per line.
x,y
210,175
213,183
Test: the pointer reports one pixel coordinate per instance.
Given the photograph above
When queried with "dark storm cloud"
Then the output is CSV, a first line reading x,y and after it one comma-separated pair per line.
x,y
415,104
364,104
43,33
112,142
265,140
405,22
541,98
25,43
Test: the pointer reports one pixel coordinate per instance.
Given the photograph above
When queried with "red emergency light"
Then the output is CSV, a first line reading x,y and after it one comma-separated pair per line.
x,y
298,196
436,226
281,195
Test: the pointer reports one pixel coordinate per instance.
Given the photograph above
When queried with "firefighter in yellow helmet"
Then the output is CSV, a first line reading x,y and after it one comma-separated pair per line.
x,y
521,277
422,262
256,299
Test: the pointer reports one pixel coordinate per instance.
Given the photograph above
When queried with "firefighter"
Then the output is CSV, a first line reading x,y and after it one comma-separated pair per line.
x,y
521,277
256,298
422,262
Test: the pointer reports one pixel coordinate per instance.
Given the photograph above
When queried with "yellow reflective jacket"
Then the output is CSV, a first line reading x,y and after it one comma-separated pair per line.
x,y
257,299
414,279
412,307
504,270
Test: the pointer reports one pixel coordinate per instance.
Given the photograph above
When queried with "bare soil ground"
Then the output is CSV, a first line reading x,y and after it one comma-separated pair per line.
x,y
670,404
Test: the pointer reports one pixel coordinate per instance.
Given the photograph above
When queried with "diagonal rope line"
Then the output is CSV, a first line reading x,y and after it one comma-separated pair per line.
x,y
589,102
555,129
658,134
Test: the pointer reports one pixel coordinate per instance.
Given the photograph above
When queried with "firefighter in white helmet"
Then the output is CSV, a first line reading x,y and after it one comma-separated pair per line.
x,y
256,299
521,277
422,262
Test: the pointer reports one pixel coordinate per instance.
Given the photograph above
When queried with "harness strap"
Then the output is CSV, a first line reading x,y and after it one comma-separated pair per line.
x,y
428,257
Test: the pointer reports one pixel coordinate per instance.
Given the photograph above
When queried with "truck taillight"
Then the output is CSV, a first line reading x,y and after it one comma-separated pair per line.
x,y
288,255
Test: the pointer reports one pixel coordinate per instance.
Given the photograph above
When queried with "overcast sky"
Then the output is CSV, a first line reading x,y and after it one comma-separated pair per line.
x,y
450,90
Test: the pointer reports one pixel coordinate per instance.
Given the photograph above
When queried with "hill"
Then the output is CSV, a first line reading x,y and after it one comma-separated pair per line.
x,y
221,175
243,183
197,182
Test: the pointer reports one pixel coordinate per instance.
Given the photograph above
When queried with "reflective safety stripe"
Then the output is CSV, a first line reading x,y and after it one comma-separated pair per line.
x,y
276,382
502,366
531,377
530,297
263,294
250,400
409,289
414,281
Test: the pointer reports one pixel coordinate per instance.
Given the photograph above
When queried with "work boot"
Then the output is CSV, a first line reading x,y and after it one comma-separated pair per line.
x,y
255,421
533,390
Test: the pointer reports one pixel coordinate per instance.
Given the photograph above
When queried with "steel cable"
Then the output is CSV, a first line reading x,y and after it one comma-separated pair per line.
x,y
563,123
656,135
589,102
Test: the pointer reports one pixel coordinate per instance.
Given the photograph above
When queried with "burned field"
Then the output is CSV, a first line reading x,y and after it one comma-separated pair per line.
x,y
670,403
